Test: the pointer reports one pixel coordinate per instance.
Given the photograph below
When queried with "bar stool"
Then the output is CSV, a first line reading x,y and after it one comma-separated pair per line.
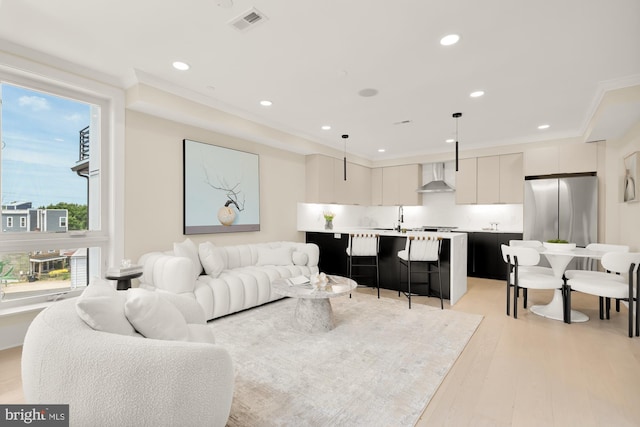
x,y
423,250
362,252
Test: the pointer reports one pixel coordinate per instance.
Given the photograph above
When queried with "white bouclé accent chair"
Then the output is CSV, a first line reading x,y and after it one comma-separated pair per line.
x,y
121,378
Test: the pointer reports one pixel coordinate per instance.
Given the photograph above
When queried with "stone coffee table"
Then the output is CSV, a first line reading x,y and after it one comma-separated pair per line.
x,y
313,311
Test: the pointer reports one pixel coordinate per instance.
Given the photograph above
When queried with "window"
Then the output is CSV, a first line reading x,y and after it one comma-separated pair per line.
x,y
9,222
52,164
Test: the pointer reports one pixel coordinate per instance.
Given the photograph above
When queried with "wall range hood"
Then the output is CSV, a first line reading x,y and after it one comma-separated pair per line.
x,y
437,185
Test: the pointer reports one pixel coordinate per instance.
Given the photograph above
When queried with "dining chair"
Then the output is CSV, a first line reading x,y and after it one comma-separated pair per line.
x,y
537,244
425,251
605,303
363,252
613,284
516,259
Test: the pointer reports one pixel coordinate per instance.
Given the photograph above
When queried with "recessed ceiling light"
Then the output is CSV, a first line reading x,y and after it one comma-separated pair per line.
x,y
381,150
449,40
476,94
182,66
326,127
543,127
449,141
368,92
266,103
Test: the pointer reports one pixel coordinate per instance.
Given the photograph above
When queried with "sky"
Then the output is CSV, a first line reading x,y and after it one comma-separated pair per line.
x,y
40,144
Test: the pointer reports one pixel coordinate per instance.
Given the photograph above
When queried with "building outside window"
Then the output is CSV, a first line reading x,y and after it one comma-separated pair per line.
x,y
50,178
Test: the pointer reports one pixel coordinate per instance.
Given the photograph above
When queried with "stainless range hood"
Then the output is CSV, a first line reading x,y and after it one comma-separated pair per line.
x,y
437,185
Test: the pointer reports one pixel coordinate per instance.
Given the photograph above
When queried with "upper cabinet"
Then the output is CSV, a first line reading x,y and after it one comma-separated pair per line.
x,y
325,181
569,158
466,180
396,185
491,179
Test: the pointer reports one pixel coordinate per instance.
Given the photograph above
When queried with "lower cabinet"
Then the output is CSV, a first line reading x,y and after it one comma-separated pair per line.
x,y
333,260
484,256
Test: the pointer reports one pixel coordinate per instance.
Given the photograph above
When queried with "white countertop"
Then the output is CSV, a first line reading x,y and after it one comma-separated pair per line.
x,y
348,230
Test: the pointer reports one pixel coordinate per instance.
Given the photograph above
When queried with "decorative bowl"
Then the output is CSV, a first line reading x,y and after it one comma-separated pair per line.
x,y
559,246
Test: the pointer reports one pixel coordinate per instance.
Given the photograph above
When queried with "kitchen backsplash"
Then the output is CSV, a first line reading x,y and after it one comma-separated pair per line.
x,y
438,209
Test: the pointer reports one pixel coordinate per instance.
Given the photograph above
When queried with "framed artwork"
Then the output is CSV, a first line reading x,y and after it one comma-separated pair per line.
x,y
221,189
632,169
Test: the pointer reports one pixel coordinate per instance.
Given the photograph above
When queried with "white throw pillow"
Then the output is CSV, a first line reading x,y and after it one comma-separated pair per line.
x,y
274,256
155,317
102,308
188,249
300,258
186,305
211,259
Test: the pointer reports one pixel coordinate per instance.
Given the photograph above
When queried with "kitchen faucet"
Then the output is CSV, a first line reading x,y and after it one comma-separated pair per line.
x,y
400,217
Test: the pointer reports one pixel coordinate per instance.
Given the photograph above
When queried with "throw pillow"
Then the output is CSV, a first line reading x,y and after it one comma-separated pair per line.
x,y
188,249
155,317
300,258
102,307
187,305
211,259
274,256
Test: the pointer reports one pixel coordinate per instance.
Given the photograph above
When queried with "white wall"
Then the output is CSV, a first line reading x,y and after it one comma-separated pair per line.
x,y
153,190
622,219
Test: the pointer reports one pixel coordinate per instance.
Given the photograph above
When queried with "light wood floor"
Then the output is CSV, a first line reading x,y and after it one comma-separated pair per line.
x,y
529,371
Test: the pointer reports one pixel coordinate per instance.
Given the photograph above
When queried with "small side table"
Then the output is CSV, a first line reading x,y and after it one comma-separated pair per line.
x,y
124,280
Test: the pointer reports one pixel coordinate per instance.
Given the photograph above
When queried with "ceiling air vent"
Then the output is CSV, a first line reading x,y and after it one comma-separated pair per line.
x,y
247,20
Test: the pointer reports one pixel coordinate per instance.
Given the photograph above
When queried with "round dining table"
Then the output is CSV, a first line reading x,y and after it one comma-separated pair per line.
x,y
559,258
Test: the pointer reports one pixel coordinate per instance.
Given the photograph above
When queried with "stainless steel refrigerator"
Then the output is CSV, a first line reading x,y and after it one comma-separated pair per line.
x,y
561,208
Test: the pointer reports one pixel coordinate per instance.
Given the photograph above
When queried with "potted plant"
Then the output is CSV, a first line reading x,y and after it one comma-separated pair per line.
x,y
328,220
559,244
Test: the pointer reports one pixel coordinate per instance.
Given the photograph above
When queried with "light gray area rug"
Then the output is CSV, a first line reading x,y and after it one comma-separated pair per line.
x,y
380,366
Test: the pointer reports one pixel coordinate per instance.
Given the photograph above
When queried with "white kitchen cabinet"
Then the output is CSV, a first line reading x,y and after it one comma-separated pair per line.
x,y
488,175
568,158
376,186
466,180
399,185
511,178
356,190
490,180
325,181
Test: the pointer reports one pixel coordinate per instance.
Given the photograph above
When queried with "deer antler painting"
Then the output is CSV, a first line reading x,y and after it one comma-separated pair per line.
x,y
221,189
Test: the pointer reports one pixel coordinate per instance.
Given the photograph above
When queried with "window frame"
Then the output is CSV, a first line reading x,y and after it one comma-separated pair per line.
x,y
82,85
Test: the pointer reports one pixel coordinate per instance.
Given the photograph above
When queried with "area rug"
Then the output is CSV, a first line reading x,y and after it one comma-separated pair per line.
x,y
380,366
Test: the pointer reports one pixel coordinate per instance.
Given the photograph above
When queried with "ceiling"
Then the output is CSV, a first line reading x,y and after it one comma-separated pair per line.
x,y
543,62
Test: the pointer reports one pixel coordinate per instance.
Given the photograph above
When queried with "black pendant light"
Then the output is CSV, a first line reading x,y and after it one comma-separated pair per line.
x,y
457,116
344,160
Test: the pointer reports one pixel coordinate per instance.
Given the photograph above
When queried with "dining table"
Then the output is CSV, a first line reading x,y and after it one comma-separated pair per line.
x,y
559,258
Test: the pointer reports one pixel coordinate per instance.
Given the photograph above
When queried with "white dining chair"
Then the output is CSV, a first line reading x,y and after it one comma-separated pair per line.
x,y
592,272
618,284
536,244
422,250
362,252
518,257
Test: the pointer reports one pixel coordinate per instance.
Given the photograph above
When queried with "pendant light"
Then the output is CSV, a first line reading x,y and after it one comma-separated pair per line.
x,y
344,160
457,116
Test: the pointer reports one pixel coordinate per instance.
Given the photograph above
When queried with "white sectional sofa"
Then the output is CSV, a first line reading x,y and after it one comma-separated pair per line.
x,y
227,279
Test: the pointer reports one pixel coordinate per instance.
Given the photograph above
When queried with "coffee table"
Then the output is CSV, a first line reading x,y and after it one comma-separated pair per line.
x,y
313,311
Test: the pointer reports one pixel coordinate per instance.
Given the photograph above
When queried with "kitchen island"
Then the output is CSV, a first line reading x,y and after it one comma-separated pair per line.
x,y
453,260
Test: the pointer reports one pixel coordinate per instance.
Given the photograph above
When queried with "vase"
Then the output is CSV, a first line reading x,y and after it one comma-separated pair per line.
x,y
328,224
